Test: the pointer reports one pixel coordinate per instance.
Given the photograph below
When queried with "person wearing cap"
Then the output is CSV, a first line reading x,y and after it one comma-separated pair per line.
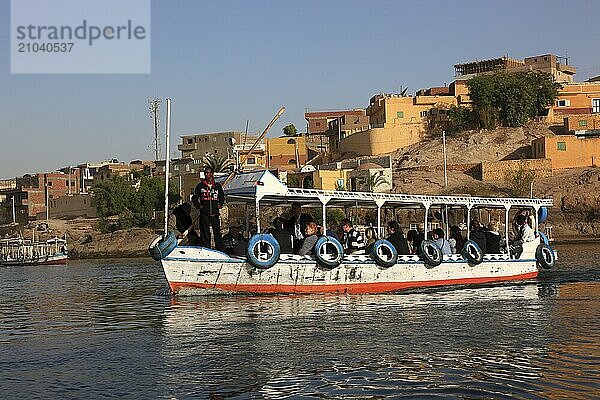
x,y
208,199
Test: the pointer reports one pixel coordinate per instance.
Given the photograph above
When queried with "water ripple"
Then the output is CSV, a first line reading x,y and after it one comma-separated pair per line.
x,y
107,329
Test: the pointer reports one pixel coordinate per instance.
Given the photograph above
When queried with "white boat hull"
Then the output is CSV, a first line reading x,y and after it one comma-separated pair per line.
x,y
54,259
198,270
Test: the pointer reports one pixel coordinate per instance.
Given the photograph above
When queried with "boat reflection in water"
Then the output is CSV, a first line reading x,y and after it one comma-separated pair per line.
x,y
482,342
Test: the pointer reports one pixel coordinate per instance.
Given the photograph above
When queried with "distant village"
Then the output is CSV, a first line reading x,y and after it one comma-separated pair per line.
x,y
340,149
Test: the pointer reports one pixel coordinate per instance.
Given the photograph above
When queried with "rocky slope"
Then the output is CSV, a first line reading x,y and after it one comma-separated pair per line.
x,y
576,192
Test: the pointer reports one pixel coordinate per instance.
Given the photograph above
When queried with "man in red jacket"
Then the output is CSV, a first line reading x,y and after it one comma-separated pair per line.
x,y
209,198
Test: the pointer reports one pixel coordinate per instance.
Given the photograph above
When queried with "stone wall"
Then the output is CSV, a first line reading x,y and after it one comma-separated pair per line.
x,y
497,170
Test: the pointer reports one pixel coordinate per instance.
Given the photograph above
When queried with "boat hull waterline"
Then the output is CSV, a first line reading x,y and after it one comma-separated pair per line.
x,y
203,271
59,259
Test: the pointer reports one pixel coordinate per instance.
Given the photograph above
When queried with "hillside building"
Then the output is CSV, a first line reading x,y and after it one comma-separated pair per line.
x,y
217,143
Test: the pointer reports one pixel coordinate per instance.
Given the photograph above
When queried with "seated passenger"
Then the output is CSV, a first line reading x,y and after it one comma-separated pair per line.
x,y
308,246
234,242
492,238
524,235
327,232
478,235
283,236
419,238
411,237
440,240
352,241
296,225
397,239
371,237
456,239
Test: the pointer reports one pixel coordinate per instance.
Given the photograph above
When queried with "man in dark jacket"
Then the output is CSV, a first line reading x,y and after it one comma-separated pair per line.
x,y
283,236
397,239
477,235
296,225
208,198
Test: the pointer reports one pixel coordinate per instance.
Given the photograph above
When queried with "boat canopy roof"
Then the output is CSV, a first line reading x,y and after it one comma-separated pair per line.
x,y
264,187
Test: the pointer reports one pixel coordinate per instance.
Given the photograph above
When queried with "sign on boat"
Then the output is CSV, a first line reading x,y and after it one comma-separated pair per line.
x,y
265,270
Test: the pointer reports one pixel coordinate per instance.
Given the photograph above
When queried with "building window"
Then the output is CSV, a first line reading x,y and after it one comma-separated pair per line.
x,y
190,141
564,103
49,183
317,123
582,122
292,161
251,161
340,183
561,146
424,113
206,139
400,114
596,105
291,141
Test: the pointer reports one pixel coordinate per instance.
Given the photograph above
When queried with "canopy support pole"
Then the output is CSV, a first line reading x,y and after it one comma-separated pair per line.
x,y
257,215
469,220
380,204
426,205
535,217
507,209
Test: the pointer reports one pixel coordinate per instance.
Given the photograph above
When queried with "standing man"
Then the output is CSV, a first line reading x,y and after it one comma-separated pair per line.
x,y
352,240
296,225
208,199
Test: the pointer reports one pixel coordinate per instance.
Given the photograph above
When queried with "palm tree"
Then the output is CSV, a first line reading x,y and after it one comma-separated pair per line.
x,y
217,163
373,181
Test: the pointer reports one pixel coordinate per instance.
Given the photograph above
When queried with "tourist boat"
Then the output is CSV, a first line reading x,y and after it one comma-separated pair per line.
x,y
198,270
19,251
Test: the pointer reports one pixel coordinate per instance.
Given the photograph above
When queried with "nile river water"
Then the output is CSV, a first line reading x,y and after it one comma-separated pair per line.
x,y
109,329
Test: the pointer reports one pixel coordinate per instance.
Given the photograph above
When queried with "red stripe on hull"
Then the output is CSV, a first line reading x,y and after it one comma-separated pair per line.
x,y
354,288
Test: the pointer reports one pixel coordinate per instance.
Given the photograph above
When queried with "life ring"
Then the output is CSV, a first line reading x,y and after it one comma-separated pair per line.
x,y
263,251
162,247
430,253
542,214
329,252
472,252
545,256
384,253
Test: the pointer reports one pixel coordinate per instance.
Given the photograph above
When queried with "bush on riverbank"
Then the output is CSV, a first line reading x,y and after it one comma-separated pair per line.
x,y
133,202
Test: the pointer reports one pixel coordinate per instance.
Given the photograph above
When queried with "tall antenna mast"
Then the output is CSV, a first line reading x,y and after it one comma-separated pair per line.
x,y
154,109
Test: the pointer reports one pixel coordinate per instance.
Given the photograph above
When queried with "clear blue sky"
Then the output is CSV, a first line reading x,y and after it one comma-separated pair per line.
x,y
223,62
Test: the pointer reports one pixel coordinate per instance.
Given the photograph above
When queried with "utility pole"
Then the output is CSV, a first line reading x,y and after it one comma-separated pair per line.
x,y
154,109
445,159
13,209
47,203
